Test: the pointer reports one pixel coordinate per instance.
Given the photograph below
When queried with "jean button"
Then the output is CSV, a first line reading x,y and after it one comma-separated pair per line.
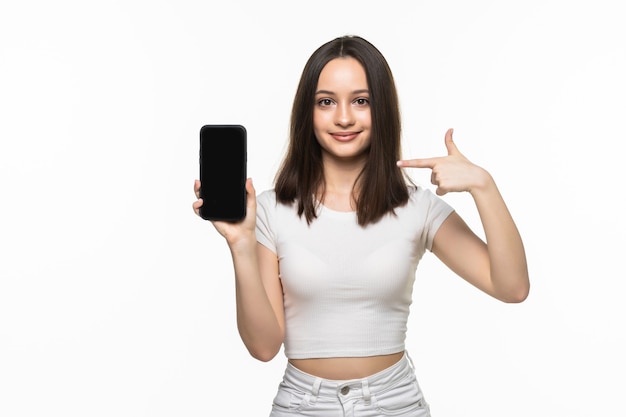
x,y
345,390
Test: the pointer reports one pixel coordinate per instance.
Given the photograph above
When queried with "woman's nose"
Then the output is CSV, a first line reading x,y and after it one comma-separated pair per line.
x,y
344,115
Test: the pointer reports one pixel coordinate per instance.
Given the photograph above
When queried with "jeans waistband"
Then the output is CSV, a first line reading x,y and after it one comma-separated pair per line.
x,y
361,387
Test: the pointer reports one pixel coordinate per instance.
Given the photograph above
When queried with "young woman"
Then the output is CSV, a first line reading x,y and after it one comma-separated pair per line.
x,y
325,262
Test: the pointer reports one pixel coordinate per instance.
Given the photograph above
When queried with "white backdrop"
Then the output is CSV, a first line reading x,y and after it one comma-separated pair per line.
x,y
116,300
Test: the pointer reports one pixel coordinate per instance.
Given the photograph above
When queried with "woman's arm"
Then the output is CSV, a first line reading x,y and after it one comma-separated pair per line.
x,y
259,297
498,267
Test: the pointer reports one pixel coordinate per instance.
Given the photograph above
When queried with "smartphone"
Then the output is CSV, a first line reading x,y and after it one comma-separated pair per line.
x,y
223,160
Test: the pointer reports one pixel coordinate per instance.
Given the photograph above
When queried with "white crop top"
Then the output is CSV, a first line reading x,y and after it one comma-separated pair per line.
x,y
347,289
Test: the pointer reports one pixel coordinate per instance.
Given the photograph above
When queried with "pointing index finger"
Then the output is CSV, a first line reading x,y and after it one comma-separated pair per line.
x,y
417,163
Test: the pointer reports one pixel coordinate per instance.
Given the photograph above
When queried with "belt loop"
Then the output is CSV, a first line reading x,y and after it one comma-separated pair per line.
x,y
315,390
367,396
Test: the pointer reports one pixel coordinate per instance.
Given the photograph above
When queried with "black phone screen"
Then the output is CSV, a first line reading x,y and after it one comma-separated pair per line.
x,y
223,172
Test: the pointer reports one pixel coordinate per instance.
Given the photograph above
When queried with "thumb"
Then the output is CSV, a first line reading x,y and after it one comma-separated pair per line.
x,y
251,196
450,145
250,186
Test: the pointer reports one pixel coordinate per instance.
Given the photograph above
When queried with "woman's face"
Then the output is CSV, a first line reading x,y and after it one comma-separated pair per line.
x,y
341,115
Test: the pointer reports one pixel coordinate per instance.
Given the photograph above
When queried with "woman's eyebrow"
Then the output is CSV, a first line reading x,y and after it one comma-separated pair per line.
x,y
362,91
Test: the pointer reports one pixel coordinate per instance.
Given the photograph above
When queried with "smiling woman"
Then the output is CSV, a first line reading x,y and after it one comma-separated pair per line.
x,y
346,88
325,262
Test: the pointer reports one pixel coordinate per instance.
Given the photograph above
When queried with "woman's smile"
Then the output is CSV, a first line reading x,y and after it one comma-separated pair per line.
x,y
344,136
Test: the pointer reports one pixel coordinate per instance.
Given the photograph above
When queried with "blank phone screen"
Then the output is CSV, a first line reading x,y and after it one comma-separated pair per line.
x,y
223,172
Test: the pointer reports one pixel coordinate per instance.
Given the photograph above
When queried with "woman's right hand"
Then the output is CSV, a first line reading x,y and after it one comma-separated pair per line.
x,y
238,232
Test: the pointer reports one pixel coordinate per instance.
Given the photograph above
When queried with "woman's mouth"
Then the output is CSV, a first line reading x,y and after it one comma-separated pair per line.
x,y
344,136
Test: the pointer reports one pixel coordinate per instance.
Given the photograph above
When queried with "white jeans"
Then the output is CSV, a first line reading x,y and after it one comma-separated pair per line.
x,y
391,392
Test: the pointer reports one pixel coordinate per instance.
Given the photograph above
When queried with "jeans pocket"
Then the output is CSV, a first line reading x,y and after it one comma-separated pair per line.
x,y
405,399
287,401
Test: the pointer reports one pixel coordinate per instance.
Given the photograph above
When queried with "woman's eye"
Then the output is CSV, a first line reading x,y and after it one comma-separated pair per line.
x,y
362,101
325,102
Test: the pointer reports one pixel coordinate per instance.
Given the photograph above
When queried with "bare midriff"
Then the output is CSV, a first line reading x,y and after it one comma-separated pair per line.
x,y
346,368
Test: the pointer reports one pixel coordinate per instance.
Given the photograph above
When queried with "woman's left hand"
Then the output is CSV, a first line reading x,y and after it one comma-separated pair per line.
x,y
451,173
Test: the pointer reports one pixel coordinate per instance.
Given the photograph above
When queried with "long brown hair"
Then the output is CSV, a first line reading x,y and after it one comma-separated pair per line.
x,y
382,186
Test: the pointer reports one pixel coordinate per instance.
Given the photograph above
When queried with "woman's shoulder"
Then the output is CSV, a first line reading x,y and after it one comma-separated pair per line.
x,y
417,191
270,209
420,196
268,193
266,198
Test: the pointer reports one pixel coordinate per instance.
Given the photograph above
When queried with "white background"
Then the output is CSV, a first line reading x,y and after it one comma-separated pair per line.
x,y
116,300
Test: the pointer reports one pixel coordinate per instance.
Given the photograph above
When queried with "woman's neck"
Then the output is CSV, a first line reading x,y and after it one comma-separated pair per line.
x,y
340,184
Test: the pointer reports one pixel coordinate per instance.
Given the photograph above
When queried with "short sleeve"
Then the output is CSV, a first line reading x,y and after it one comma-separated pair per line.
x,y
266,208
438,211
